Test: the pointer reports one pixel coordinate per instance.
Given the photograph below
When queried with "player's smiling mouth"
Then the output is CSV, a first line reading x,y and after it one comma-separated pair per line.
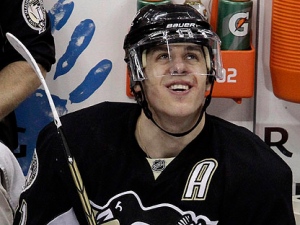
x,y
179,87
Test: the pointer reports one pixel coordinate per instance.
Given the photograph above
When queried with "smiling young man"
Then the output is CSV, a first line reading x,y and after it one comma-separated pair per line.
x,y
163,160
175,89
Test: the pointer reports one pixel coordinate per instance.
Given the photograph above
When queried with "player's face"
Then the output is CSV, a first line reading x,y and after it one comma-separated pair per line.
x,y
176,79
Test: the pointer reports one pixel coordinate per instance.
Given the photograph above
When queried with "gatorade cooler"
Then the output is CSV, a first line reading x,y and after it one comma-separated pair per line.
x,y
285,54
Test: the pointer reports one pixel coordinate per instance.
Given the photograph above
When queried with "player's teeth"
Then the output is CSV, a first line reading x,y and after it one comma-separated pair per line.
x,y
179,87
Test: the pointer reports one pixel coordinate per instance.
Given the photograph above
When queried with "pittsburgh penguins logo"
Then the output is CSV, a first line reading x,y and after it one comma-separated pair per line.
x,y
127,209
34,14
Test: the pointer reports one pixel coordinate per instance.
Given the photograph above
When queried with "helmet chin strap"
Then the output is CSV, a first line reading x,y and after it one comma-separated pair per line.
x,y
141,100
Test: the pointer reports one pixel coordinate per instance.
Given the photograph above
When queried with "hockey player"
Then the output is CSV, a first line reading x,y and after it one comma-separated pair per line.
x,y
163,160
27,20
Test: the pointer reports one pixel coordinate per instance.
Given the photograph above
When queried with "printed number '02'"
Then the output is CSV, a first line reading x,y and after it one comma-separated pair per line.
x,y
229,76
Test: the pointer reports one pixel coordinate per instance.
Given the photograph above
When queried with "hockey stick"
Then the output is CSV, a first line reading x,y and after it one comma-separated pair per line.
x,y
71,161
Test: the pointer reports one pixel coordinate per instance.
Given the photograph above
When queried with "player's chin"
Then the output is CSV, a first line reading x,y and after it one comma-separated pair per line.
x,y
182,110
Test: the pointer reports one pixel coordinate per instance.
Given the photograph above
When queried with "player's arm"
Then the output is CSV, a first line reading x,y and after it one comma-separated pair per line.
x,y
17,82
17,78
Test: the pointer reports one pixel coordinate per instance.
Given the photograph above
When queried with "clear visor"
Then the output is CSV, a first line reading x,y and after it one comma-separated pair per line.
x,y
184,52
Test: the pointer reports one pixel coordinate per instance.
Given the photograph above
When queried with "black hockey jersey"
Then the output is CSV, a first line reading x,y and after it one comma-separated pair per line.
x,y
225,176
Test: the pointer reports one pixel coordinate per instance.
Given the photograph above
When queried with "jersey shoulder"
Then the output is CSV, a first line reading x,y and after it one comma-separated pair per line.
x,y
104,120
243,146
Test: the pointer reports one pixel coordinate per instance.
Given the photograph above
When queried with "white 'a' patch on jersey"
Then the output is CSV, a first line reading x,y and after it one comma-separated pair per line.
x,y
34,14
198,182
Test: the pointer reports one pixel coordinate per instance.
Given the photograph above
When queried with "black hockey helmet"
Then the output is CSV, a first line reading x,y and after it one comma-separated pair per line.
x,y
166,24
